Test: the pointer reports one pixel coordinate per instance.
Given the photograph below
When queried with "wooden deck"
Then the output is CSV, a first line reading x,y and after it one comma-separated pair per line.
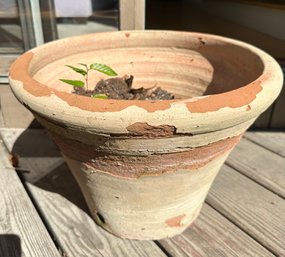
x,y
43,212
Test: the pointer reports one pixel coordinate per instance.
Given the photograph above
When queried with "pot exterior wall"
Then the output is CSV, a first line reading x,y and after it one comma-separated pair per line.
x,y
140,187
148,207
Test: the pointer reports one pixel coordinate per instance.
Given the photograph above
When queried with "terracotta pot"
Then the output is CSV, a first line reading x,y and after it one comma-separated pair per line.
x,y
145,167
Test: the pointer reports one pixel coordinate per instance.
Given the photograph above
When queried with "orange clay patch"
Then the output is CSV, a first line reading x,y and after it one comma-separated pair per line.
x,y
175,221
233,99
143,129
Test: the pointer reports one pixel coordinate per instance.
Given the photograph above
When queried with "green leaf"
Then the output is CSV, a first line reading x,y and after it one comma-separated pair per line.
x,y
100,96
83,64
75,83
78,70
103,68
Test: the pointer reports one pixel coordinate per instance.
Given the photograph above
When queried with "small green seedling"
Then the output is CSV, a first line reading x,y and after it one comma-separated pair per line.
x,y
85,72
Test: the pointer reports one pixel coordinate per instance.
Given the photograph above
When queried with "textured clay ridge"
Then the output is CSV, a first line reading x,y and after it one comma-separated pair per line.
x,y
238,98
136,166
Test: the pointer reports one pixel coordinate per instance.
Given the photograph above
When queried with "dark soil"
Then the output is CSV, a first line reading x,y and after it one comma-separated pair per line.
x,y
121,88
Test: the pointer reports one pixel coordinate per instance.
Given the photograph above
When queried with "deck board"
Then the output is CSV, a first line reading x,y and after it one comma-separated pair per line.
x,y
38,157
213,235
61,201
272,140
14,114
2,123
22,232
260,164
80,236
257,211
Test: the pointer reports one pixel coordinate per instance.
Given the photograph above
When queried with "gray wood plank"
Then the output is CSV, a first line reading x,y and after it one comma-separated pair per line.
x,y
22,232
214,236
2,124
62,204
37,159
80,236
257,211
15,115
132,14
260,164
272,140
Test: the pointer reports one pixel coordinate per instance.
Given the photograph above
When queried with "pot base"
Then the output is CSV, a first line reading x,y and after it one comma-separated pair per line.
x,y
148,207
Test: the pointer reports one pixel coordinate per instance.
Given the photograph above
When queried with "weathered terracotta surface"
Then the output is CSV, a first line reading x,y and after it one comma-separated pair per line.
x,y
142,129
143,208
145,167
134,166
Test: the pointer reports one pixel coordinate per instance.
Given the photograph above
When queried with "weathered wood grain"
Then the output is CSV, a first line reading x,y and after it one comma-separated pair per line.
x,y
34,150
2,124
132,14
213,235
62,204
78,234
7,59
253,208
260,164
15,115
272,140
22,232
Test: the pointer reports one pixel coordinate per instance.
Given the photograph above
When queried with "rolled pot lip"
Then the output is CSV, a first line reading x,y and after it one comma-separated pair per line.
x,y
242,99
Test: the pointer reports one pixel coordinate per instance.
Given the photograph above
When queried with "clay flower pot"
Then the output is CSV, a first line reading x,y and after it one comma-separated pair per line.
x,y
145,167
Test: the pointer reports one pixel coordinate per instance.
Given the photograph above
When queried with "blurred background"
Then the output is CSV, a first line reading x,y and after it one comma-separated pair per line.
x,y
25,24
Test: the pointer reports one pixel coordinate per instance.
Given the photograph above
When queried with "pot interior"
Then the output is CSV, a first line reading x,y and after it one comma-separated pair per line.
x,y
186,64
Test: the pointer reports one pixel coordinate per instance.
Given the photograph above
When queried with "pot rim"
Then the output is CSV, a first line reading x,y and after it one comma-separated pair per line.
x,y
250,100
